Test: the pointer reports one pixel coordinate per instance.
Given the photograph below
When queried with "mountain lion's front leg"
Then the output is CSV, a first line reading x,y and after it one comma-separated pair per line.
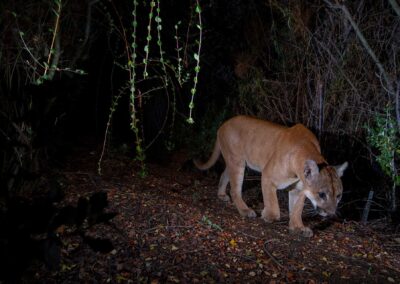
x,y
271,210
296,222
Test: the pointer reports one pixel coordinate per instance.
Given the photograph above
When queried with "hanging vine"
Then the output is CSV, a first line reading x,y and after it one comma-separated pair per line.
x,y
155,67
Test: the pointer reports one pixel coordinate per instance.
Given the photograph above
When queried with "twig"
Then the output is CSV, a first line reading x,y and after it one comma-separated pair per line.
x,y
270,255
247,235
244,257
180,227
369,264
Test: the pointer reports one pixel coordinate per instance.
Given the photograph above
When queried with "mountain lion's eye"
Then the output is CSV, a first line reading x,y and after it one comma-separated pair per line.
x,y
339,196
322,195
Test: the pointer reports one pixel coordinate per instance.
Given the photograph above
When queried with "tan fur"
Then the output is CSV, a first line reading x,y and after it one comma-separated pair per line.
x,y
284,156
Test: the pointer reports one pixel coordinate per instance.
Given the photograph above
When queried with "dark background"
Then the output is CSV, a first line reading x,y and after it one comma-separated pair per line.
x,y
285,61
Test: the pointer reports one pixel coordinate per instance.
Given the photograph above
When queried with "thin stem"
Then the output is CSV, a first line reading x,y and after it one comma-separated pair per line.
x,y
56,27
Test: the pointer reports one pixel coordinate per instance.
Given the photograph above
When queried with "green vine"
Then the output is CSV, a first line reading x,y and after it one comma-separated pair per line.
x,y
178,57
140,154
158,20
148,38
162,68
196,57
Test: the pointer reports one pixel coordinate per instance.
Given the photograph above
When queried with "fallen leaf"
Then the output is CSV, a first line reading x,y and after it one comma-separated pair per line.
x,y
326,274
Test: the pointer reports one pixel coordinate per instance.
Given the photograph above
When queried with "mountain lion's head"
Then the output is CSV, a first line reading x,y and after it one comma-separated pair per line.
x,y
322,186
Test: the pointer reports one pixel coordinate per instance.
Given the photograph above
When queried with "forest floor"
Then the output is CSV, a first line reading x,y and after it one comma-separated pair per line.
x,y
172,228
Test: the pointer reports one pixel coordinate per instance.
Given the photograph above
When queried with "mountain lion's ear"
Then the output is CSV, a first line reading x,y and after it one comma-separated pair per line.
x,y
341,168
310,170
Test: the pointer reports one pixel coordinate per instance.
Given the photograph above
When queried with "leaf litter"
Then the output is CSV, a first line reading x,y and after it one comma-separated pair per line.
x,y
172,228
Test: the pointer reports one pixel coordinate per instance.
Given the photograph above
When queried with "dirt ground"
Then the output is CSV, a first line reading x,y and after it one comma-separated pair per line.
x,y
172,228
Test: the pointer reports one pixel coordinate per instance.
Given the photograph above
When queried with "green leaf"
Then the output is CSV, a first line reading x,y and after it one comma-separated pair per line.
x,y
198,9
190,120
81,72
39,81
196,56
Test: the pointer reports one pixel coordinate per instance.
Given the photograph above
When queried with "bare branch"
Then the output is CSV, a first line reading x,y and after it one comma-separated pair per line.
x,y
395,6
366,45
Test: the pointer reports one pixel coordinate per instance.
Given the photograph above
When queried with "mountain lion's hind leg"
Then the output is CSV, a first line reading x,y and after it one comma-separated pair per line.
x,y
236,174
223,182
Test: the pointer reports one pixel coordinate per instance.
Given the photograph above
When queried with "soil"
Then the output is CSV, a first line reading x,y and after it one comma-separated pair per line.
x,y
172,228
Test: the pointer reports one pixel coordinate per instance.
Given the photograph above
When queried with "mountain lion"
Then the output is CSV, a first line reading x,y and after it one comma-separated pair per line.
x,y
284,156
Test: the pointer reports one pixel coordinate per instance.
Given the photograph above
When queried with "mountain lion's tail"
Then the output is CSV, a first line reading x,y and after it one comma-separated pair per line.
x,y
214,157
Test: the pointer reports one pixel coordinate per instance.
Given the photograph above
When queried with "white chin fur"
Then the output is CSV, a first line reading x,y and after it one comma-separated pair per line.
x,y
311,198
323,214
